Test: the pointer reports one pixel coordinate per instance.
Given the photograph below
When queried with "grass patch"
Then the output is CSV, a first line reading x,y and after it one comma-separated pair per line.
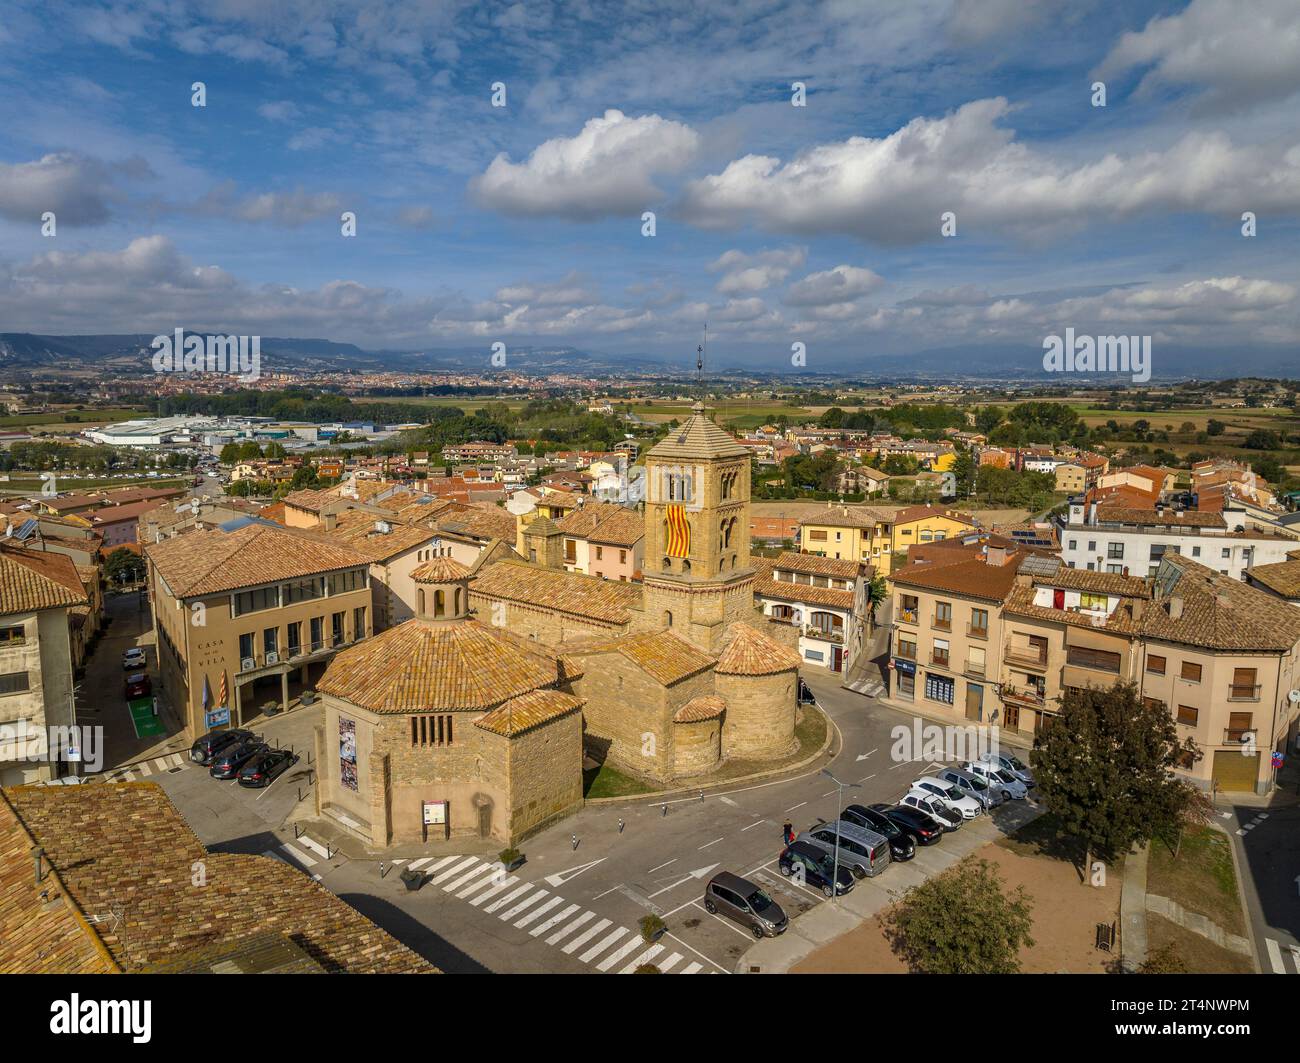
x,y
85,418
608,781
1201,880
809,733
1200,955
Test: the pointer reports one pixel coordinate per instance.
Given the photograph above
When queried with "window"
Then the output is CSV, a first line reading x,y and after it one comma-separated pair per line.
x,y
1100,660
570,550
908,606
1155,665
13,636
295,638
1092,601
979,623
431,730
342,582
245,645
270,639
1188,715
600,553
940,654
817,535
622,557
943,616
906,647
975,660
304,590
939,688
1240,724
317,633
359,622
1191,672
1092,546
336,628
256,601
13,683
1196,551
1115,551
1244,687
1154,703
1227,552
1074,544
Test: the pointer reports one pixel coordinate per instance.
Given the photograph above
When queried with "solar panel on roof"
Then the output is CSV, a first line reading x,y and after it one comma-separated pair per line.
x,y
1039,566
28,527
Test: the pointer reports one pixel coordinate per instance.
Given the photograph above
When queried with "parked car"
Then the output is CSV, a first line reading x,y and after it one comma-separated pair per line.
x,y
226,764
999,779
743,902
921,828
815,867
933,807
1012,765
138,685
951,795
901,844
262,768
863,851
974,786
209,745
134,659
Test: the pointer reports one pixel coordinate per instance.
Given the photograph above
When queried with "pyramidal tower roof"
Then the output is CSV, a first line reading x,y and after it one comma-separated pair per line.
x,y
699,439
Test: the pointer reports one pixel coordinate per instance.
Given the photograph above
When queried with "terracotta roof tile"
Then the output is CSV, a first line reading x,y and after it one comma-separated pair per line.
x,y
664,655
839,568
750,652
698,437
527,711
607,601
702,707
31,580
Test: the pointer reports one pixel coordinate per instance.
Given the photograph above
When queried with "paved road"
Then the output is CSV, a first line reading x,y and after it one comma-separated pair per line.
x,y
570,908
1268,849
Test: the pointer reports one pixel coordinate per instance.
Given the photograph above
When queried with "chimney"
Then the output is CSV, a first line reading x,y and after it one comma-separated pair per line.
x,y
38,855
996,556
1175,608
329,521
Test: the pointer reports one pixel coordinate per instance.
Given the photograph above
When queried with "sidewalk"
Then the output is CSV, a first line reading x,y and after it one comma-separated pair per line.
x,y
828,920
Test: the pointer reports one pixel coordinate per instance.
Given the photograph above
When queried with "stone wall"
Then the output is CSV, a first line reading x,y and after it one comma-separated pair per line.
x,y
760,715
626,715
544,625
697,746
545,766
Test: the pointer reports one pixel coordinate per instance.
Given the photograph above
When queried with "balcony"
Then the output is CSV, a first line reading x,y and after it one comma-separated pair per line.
x,y
975,669
941,623
1026,655
1243,692
976,632
939,658
907,616
1028,696
906,650
1236,736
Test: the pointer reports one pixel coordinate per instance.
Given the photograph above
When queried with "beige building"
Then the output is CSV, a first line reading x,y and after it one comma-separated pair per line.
x,y
245,617
38,596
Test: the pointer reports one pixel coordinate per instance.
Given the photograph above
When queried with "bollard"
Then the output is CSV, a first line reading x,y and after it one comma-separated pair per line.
x,y
382,869
665,807
620,826
575,841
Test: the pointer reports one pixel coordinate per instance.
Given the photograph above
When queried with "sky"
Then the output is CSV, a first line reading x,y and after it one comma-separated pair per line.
x,y
774,224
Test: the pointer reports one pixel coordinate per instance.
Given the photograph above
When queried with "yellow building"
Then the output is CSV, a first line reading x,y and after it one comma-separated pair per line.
x,y
850,533
924,524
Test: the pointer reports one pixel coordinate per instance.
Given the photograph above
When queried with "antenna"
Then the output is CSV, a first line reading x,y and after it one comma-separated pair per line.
x,y
699,361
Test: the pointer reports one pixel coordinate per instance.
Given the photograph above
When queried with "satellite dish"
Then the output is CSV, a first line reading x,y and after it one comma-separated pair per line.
x,y
521,502
1294,697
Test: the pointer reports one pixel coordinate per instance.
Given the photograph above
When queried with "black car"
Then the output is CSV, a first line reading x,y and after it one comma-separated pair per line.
x,y
815,867
262,768
901,845
212,743
228,761
921,828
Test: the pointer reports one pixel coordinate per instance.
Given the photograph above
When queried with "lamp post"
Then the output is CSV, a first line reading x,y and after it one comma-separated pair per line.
x,y
840,787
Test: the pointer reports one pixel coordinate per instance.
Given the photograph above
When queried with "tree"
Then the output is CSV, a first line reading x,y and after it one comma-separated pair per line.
x,y
1262,439
1214,428
1104,768
124,566
961,922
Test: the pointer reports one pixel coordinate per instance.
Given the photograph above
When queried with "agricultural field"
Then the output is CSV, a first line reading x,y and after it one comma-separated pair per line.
x,y
737,413
57,420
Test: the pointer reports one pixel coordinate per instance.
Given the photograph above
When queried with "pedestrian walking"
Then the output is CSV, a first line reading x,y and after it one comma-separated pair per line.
x,y
787,834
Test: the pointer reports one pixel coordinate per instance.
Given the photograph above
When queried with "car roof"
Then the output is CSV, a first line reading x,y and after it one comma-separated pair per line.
x,y
728,881
807,849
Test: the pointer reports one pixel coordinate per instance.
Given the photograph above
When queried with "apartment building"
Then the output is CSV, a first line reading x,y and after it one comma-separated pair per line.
x,y
1000,640
1114,539
248,614
916,525
1281,579
854,533
824,598
1081,475
38,595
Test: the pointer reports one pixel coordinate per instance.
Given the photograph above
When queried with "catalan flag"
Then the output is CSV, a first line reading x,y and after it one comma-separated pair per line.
x,y
678,542
221,699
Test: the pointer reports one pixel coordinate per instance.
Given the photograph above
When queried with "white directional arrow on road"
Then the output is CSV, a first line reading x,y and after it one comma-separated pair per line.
x,y
863,756
561,877
698,873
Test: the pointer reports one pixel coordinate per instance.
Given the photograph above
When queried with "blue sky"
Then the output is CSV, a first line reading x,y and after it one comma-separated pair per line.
x,y
775,223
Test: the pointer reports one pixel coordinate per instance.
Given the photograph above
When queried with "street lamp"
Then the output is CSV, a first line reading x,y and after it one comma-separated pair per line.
x,y
840,787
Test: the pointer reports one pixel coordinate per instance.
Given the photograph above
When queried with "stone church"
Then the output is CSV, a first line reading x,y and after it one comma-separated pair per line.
x,y
477,716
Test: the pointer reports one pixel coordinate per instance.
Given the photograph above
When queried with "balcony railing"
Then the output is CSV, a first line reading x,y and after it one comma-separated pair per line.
x,y
907,616
1026,655
1023,696
977,632
1239,735
941,659
906,650
1243,692
975,668
941,623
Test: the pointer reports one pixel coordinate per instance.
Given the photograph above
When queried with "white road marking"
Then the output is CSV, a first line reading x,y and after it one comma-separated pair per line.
x,y
645,957
536,912
474,887
509,897
757,823
586,936
564,932
691,968
603,944
553,922
315,847
503,884
671,962
728,801
561,877
527,902
663,865
707,844
867,779
472,873
299,856
605,893
454,869
799,805
1275,956
620,954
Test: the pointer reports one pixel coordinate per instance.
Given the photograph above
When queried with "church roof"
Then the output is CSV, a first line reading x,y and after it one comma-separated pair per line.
x,y
606,601
699,439
703,707
419,667
527,711
440,570
749,652
663,655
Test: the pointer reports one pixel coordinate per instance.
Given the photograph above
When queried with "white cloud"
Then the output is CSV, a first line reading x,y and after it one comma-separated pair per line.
x,y
78,189
607,168
843,284
1238,52
744,273
894,189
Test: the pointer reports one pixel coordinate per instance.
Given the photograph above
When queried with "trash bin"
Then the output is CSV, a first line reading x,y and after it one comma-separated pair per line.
x,y
413,880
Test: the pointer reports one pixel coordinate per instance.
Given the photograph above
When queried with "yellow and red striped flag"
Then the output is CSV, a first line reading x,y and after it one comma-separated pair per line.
x,y
679,533
221,699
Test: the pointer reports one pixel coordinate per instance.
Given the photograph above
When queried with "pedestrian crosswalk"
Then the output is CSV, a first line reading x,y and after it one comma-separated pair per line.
x,y
1283,957
303,852
576,931
156,766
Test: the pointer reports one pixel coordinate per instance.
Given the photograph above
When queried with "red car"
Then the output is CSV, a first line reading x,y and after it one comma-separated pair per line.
x,y
138,685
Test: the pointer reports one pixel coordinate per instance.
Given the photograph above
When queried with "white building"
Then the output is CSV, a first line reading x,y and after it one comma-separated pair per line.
x,y
824,597
1134,540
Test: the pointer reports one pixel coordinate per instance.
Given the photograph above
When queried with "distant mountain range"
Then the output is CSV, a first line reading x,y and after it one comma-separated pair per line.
x,y
130,354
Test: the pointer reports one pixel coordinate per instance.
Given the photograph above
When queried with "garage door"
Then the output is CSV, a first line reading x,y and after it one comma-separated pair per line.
x,y
1234,772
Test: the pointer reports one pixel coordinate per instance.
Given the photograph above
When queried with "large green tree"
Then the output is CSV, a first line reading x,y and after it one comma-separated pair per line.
x,y
124,566
961,922
1104,768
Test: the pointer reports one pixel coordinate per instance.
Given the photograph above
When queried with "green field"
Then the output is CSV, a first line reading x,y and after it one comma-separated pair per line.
x,y
57,419
29,483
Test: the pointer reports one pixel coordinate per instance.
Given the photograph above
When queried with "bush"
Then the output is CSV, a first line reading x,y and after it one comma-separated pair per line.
x,y
651,927
509,856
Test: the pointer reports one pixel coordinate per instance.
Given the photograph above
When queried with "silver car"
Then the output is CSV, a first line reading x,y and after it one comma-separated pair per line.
x,y
1013,766
862,851
974,787
933,806
999,779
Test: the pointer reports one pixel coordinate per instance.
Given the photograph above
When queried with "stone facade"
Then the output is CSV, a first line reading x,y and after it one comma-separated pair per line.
x,y
760,715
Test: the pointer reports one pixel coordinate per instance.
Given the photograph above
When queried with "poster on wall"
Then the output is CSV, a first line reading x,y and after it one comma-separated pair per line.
x,y
348,753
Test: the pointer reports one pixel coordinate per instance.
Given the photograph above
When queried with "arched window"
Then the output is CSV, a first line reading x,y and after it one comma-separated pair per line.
x,y
421,597
439,603
686,565
458,592
668,618
668,564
